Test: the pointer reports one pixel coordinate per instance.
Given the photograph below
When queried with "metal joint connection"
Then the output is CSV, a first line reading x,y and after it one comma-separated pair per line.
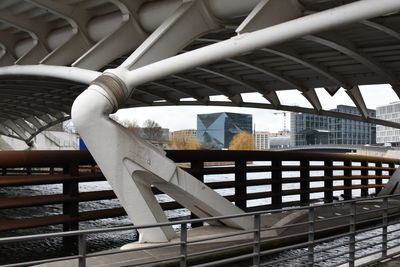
x,y
114,87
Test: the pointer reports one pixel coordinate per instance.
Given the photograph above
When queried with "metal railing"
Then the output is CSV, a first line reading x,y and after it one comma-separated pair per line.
x,y
374,220
71,168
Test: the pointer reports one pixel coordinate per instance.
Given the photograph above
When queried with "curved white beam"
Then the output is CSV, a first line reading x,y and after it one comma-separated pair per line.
x,y
246,43
270,72
190,20
382,27
246,84
38,32
163,96
235,98
349,49
67,73
270,12
128,36
187,92
79,42
288,53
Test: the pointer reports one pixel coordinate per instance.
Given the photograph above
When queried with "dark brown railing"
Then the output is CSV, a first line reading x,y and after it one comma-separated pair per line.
x,y
310,173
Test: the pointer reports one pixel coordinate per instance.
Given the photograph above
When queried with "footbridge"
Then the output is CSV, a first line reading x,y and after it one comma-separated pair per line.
x,y
86,59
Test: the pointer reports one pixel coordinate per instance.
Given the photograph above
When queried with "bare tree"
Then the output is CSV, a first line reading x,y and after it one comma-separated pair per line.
x,y
152,130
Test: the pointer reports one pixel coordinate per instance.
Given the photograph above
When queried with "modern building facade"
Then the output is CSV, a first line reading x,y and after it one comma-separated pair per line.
x,y
216,130
262,140
310,129
185,133
387,135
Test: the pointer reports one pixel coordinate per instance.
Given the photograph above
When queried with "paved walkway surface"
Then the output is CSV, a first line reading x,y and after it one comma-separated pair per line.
x,y
338,213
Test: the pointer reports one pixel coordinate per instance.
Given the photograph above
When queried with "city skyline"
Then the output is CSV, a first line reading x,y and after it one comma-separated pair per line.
x,y
184,117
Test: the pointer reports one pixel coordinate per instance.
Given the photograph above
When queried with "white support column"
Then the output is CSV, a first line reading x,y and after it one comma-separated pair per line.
x,y
130,164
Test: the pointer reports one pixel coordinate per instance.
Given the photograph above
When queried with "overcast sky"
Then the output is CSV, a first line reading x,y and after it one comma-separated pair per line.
x,y
184,117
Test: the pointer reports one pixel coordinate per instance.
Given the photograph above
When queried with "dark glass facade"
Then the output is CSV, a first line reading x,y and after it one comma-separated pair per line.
x,y
216,130
310,129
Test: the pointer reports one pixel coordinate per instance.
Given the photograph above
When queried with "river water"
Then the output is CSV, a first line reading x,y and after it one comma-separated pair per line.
x,y
53,247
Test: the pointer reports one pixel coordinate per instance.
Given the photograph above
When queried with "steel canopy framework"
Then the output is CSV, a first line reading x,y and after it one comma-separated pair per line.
x,y
85,37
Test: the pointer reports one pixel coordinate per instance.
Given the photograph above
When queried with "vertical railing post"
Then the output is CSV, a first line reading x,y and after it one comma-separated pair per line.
x,y
305,182
328,182
71,208
384,226
364,179
240,184
197,170
28,171
276,186
348,181
311,235
352,234
392,166
257,240
378,181
82,250
183,246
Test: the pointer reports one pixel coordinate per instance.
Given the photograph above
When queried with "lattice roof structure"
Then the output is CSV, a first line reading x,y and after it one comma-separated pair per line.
x,y
52,49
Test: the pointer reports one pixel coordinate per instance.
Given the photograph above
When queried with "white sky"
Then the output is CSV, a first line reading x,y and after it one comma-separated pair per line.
x,y
184,117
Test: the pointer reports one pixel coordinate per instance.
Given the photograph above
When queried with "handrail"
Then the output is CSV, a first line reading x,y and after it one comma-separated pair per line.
x,y
313,239
230,155
46,158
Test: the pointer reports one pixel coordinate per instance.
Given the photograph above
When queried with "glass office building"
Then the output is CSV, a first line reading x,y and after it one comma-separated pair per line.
x,y
216,130
310,129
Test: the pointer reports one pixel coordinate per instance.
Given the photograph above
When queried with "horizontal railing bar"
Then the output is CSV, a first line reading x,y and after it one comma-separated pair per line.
x,y
31,263
219,237
368,246
49,179
280,249
331,247
372,261
105,253
280,260
208,218
17,202
60,219
331,257
217,155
